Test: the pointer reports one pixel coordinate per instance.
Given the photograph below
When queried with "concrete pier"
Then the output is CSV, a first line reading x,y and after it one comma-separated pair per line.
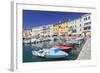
x,y
86,51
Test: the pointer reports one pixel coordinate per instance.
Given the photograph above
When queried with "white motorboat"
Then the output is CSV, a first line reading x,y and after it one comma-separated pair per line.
x,y
50,53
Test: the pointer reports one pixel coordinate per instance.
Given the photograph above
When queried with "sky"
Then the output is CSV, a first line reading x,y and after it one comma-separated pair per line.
x,y
33,18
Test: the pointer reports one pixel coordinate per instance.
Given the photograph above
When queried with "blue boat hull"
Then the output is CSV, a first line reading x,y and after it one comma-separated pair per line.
x,y
56,53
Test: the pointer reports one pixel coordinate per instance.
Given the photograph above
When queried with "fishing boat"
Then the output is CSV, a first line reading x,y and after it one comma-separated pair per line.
x,y
63,46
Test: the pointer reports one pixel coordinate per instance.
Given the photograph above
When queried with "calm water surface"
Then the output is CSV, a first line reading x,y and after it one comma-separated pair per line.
x,y
29,57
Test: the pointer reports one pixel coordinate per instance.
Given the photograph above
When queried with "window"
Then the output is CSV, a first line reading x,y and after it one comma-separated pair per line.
x,y
80,24
85,23
89,22
74,31
85,28
85,18
89,27
70,26
89,17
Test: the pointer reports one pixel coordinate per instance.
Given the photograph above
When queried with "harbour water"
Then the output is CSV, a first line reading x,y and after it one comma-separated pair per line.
x,y
29,57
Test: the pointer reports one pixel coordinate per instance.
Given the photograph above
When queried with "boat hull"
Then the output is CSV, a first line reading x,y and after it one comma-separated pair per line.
x,y
55,56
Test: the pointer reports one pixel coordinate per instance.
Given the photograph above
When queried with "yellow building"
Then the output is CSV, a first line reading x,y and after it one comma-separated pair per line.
x,y
63,28
60,28
55,29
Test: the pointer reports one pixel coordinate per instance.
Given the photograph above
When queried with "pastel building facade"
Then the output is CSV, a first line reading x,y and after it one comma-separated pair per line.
x,y
86,24
36,31
75,27
72,27
61,28
79,27
42,32
27,33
